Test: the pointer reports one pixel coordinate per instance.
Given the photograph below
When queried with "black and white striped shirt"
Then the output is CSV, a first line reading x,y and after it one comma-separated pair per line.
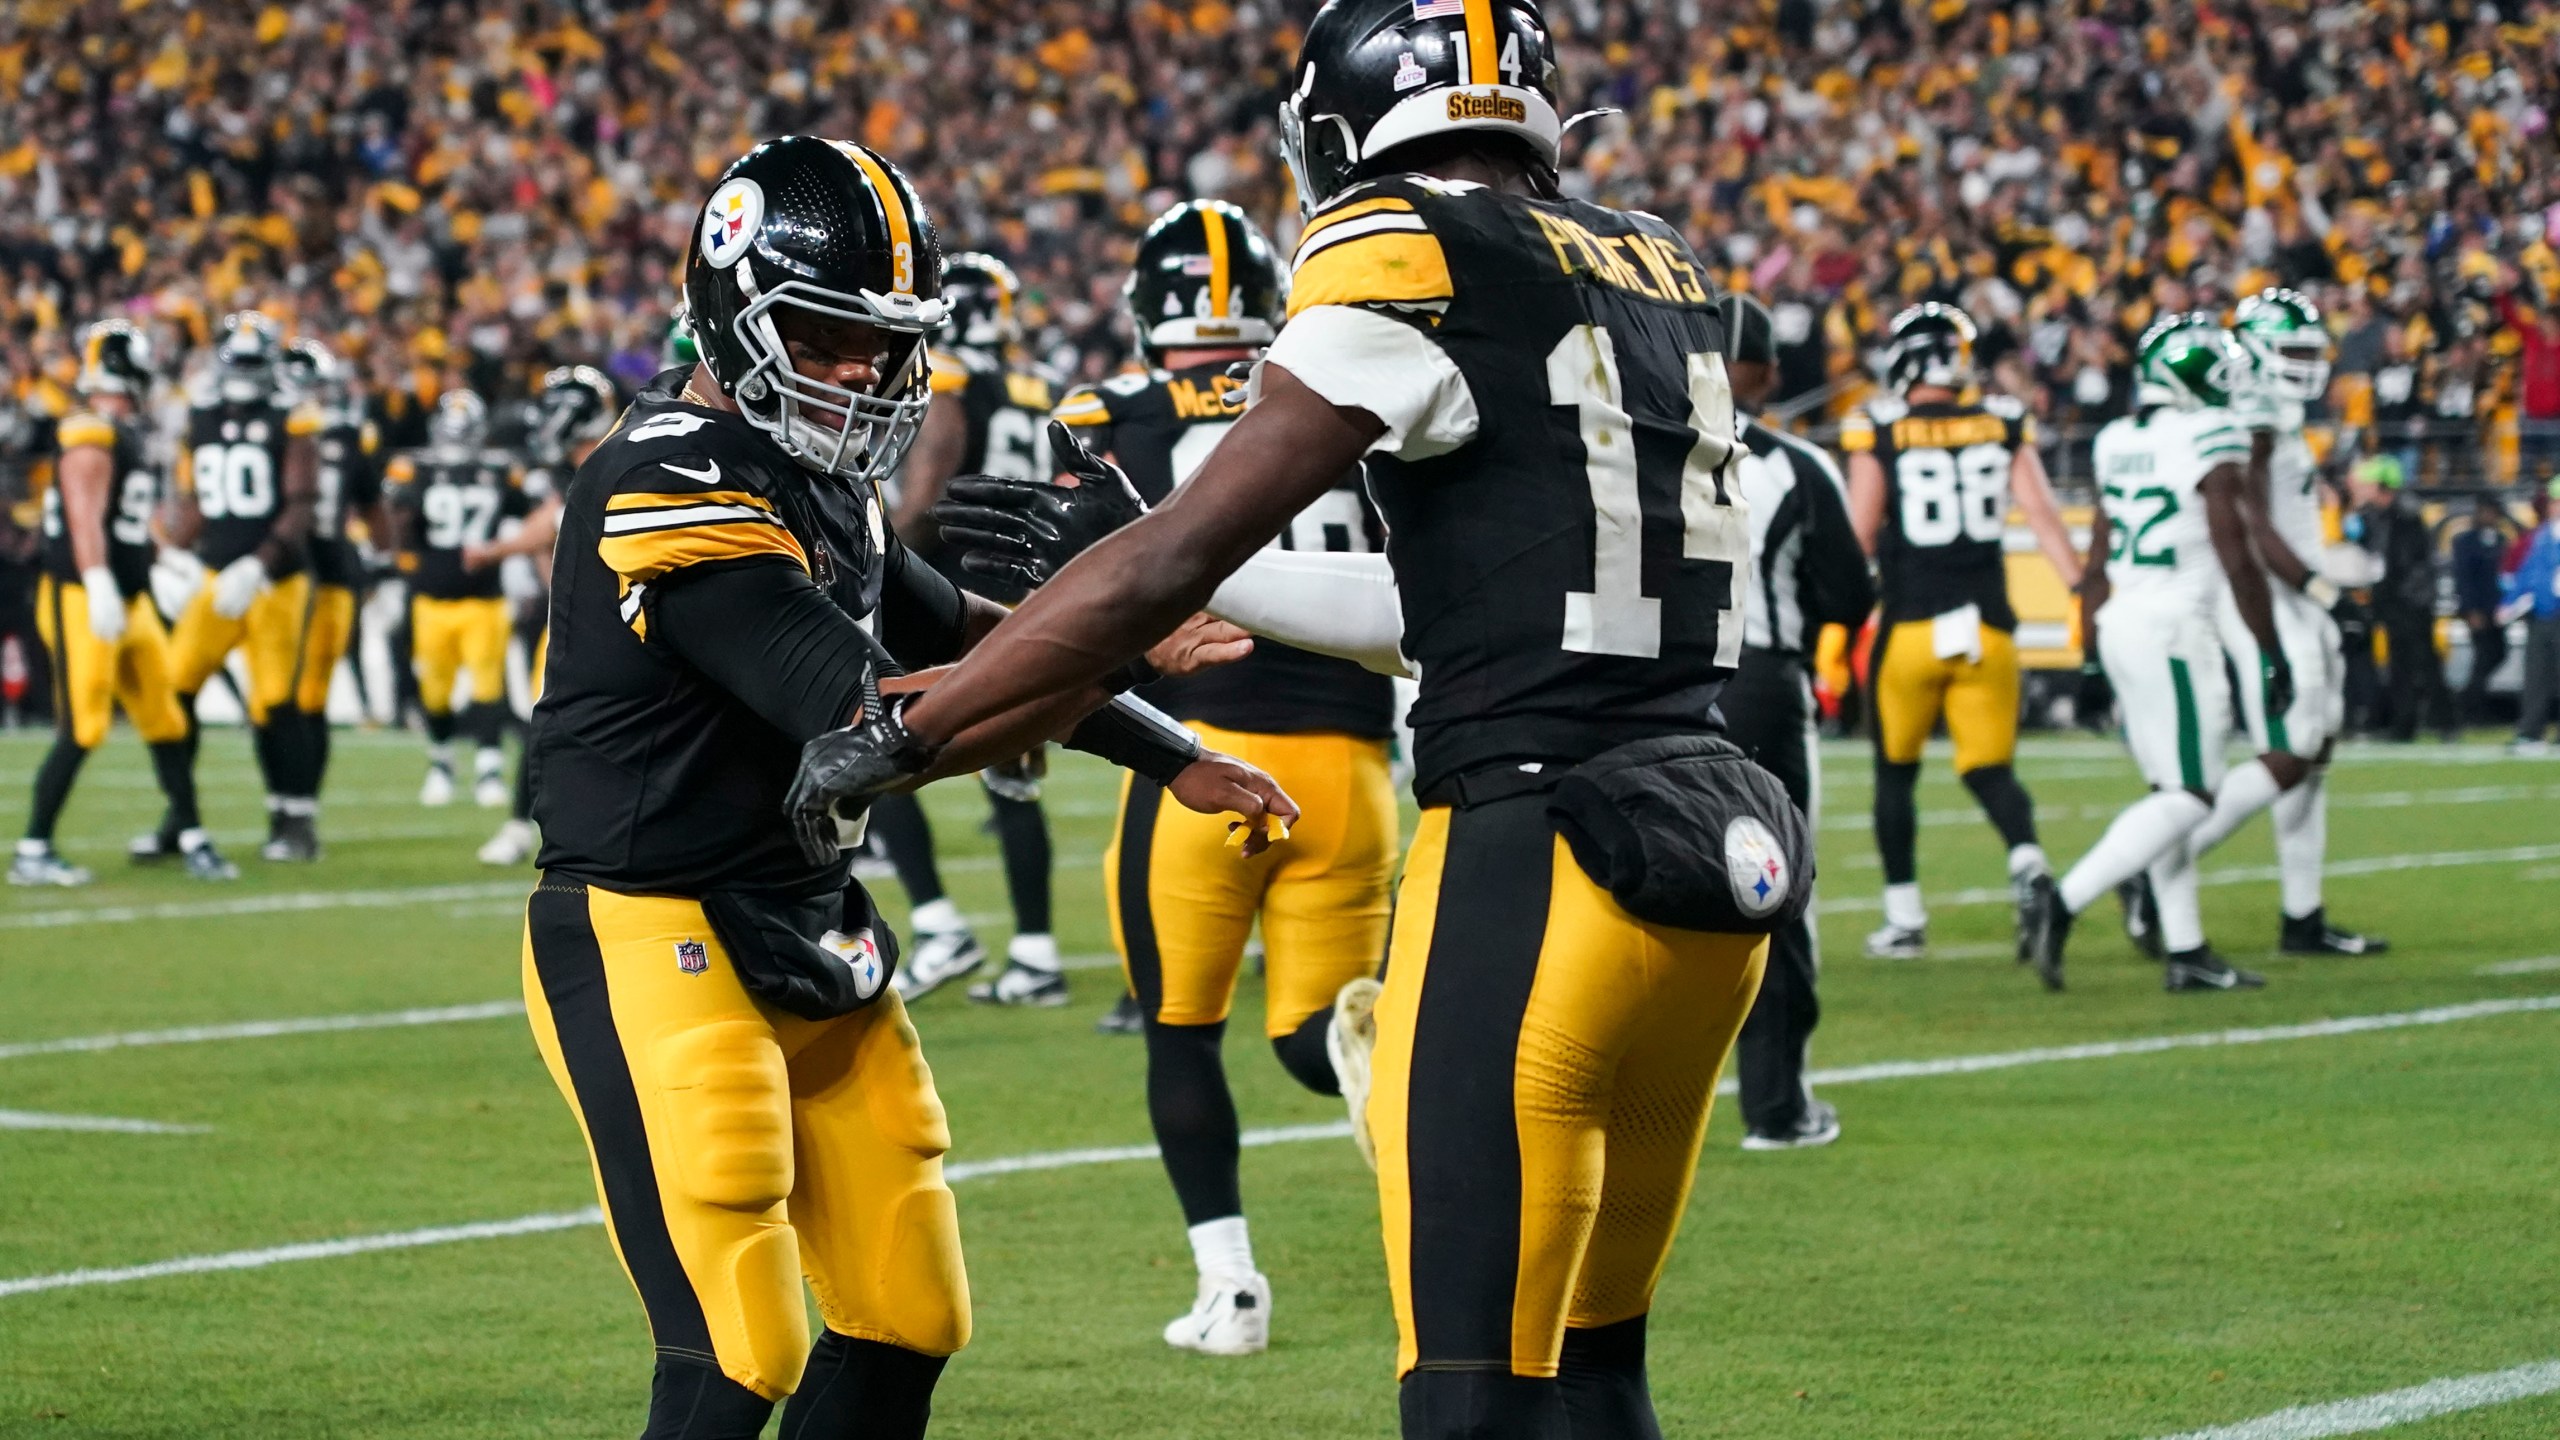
x,y
1807,568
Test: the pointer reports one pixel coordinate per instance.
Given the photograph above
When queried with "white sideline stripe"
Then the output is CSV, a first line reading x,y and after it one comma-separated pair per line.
x,y
290,900
2248,875
966,1170
2392,1407
39,1120
2535,966
260,1029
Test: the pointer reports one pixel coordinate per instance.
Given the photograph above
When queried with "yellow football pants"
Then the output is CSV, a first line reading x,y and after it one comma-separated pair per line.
x,y
1914,685
91,677
1182,901
270,631
325,639
447,637
739,1148
1544,1067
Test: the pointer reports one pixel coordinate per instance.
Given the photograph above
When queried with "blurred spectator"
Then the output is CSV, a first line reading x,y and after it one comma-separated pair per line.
x,y
2479,553
2404,602
2533,591
2537,335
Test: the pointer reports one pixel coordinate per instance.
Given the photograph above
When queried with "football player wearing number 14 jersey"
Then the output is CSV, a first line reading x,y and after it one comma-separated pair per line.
x,y
1932,475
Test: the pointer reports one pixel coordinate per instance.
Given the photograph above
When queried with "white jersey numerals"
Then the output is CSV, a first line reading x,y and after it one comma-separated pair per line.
x,y
1953,495
459,515
235,481
135,499
1017,445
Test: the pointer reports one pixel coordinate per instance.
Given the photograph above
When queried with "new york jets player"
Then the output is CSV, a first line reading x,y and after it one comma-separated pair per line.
x,y
2280,334
2173,527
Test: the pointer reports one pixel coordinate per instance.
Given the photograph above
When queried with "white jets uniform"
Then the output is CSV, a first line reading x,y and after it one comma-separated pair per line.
x,y
2156,630
2306,631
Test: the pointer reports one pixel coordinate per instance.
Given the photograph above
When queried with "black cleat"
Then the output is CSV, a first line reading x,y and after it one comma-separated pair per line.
x,y
2023,889
206,863
296,841
2049,930
2201,969
2312,935
2142,916
153,848
1124,1018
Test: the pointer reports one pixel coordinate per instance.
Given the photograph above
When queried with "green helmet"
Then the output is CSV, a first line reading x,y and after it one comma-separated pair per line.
x,y
2279,330
680,347
2192,359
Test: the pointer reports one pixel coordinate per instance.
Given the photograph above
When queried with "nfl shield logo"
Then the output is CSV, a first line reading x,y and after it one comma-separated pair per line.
x,y
692,957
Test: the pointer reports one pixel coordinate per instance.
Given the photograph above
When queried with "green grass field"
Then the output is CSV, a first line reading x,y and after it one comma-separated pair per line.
x,y
2123,1246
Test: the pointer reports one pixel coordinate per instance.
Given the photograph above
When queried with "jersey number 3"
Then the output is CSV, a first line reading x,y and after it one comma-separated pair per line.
x,y
1615,616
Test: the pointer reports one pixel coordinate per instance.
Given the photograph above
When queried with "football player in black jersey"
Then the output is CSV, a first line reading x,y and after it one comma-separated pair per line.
x,y
989,415
1203,294
445,501
248,488
1933,471
94,608
1537,388
350,480
706,982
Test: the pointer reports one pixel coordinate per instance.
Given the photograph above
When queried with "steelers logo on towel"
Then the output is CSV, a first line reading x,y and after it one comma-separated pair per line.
x,y
861,955
1756,866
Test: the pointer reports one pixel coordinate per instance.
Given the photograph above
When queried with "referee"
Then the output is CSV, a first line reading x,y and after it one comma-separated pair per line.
x,y
1807,571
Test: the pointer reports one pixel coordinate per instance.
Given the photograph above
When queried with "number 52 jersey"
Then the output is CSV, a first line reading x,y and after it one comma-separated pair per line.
x,y
1946,505
2151,466
1563,514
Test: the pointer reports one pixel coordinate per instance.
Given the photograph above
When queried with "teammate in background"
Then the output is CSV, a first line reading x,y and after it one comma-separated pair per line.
x,y
1204,293
248,489
94,610
572,414
1537,386
989,416
350,487
2281,335
445,500
1932,474
2174,523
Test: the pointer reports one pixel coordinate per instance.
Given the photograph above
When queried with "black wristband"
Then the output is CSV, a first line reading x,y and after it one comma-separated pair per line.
x,y
1137,736
1132,675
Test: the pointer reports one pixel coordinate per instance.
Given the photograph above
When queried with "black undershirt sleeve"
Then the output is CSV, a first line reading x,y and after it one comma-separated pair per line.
x,y
1835,585
761,631
923,616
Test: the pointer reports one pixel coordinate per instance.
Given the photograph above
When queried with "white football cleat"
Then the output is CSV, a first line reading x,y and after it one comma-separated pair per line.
x,y
491,792
437,789
512,845
42,865
1348,1038
1231,1317
939,957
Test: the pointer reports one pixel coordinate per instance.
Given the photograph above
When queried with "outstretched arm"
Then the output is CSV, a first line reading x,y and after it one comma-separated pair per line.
x,y
2034,494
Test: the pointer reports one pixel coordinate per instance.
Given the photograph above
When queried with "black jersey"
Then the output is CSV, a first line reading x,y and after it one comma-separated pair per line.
x,y
133,496
1007,410
647,774
1569,572
1159,427
448,502
1946,502
349,484
234,466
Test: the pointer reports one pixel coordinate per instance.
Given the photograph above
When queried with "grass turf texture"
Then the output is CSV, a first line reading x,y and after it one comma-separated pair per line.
x,y
2111,1248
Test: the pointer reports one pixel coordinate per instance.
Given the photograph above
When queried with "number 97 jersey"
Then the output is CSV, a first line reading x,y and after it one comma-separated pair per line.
x,y
1946,505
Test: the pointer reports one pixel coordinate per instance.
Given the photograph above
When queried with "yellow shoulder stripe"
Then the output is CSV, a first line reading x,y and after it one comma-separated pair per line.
x,y
304,420
1390,266
1858,433
643,557
946,372
85,429
1352,211
1085,407
1027,392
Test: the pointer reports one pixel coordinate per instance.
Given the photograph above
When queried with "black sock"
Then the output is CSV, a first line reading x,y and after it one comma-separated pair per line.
x,y
53,779
2012,810
484,724
1898,820
690,1401
439,728
861,1390
1605,1395
1022,830
1303,1055
898,820
315,725
1194,1116
174,764
1482,1405
273,744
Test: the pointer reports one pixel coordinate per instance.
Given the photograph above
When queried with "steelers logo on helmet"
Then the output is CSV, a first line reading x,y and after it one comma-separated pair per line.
x,y
1374,75
826,243
1755,866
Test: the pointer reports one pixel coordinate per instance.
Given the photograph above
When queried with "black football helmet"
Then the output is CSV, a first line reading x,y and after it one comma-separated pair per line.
x,y
246,361
1376,74
1204,277
981,290
311,372
804,227
115,359
577,404
1929,344
460,425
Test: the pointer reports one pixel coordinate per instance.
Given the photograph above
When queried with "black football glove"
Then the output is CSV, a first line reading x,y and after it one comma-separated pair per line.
x,y
843,771
2095,701
2279,684
1019,533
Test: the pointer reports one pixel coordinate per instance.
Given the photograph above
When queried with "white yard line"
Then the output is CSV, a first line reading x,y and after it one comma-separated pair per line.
x,y
112,1124
2338,800
261,1029
2535,966
966,1170
2249,875
269,904
2392,1407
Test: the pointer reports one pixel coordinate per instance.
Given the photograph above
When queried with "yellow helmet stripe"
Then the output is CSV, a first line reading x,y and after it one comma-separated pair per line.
x,y
1214,224
902,243
1482,66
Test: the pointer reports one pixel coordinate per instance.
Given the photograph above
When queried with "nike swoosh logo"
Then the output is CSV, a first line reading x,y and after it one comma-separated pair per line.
x,y
708,475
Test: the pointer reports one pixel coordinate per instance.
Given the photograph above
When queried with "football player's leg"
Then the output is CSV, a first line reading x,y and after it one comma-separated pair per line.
x,y
144,689
2160,681
1324,918
1022,838
485,638
324,644
435,654
83,704
1910,684
276,622
879,1234
2281,762
941,948
682,1089
1982,718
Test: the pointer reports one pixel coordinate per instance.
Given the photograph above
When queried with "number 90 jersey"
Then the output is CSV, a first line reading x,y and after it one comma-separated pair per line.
x,y
1565,516
234,466
450,502
1946,502
136,494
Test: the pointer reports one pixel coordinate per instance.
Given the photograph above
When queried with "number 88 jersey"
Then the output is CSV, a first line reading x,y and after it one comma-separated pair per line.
x,y
1946,507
